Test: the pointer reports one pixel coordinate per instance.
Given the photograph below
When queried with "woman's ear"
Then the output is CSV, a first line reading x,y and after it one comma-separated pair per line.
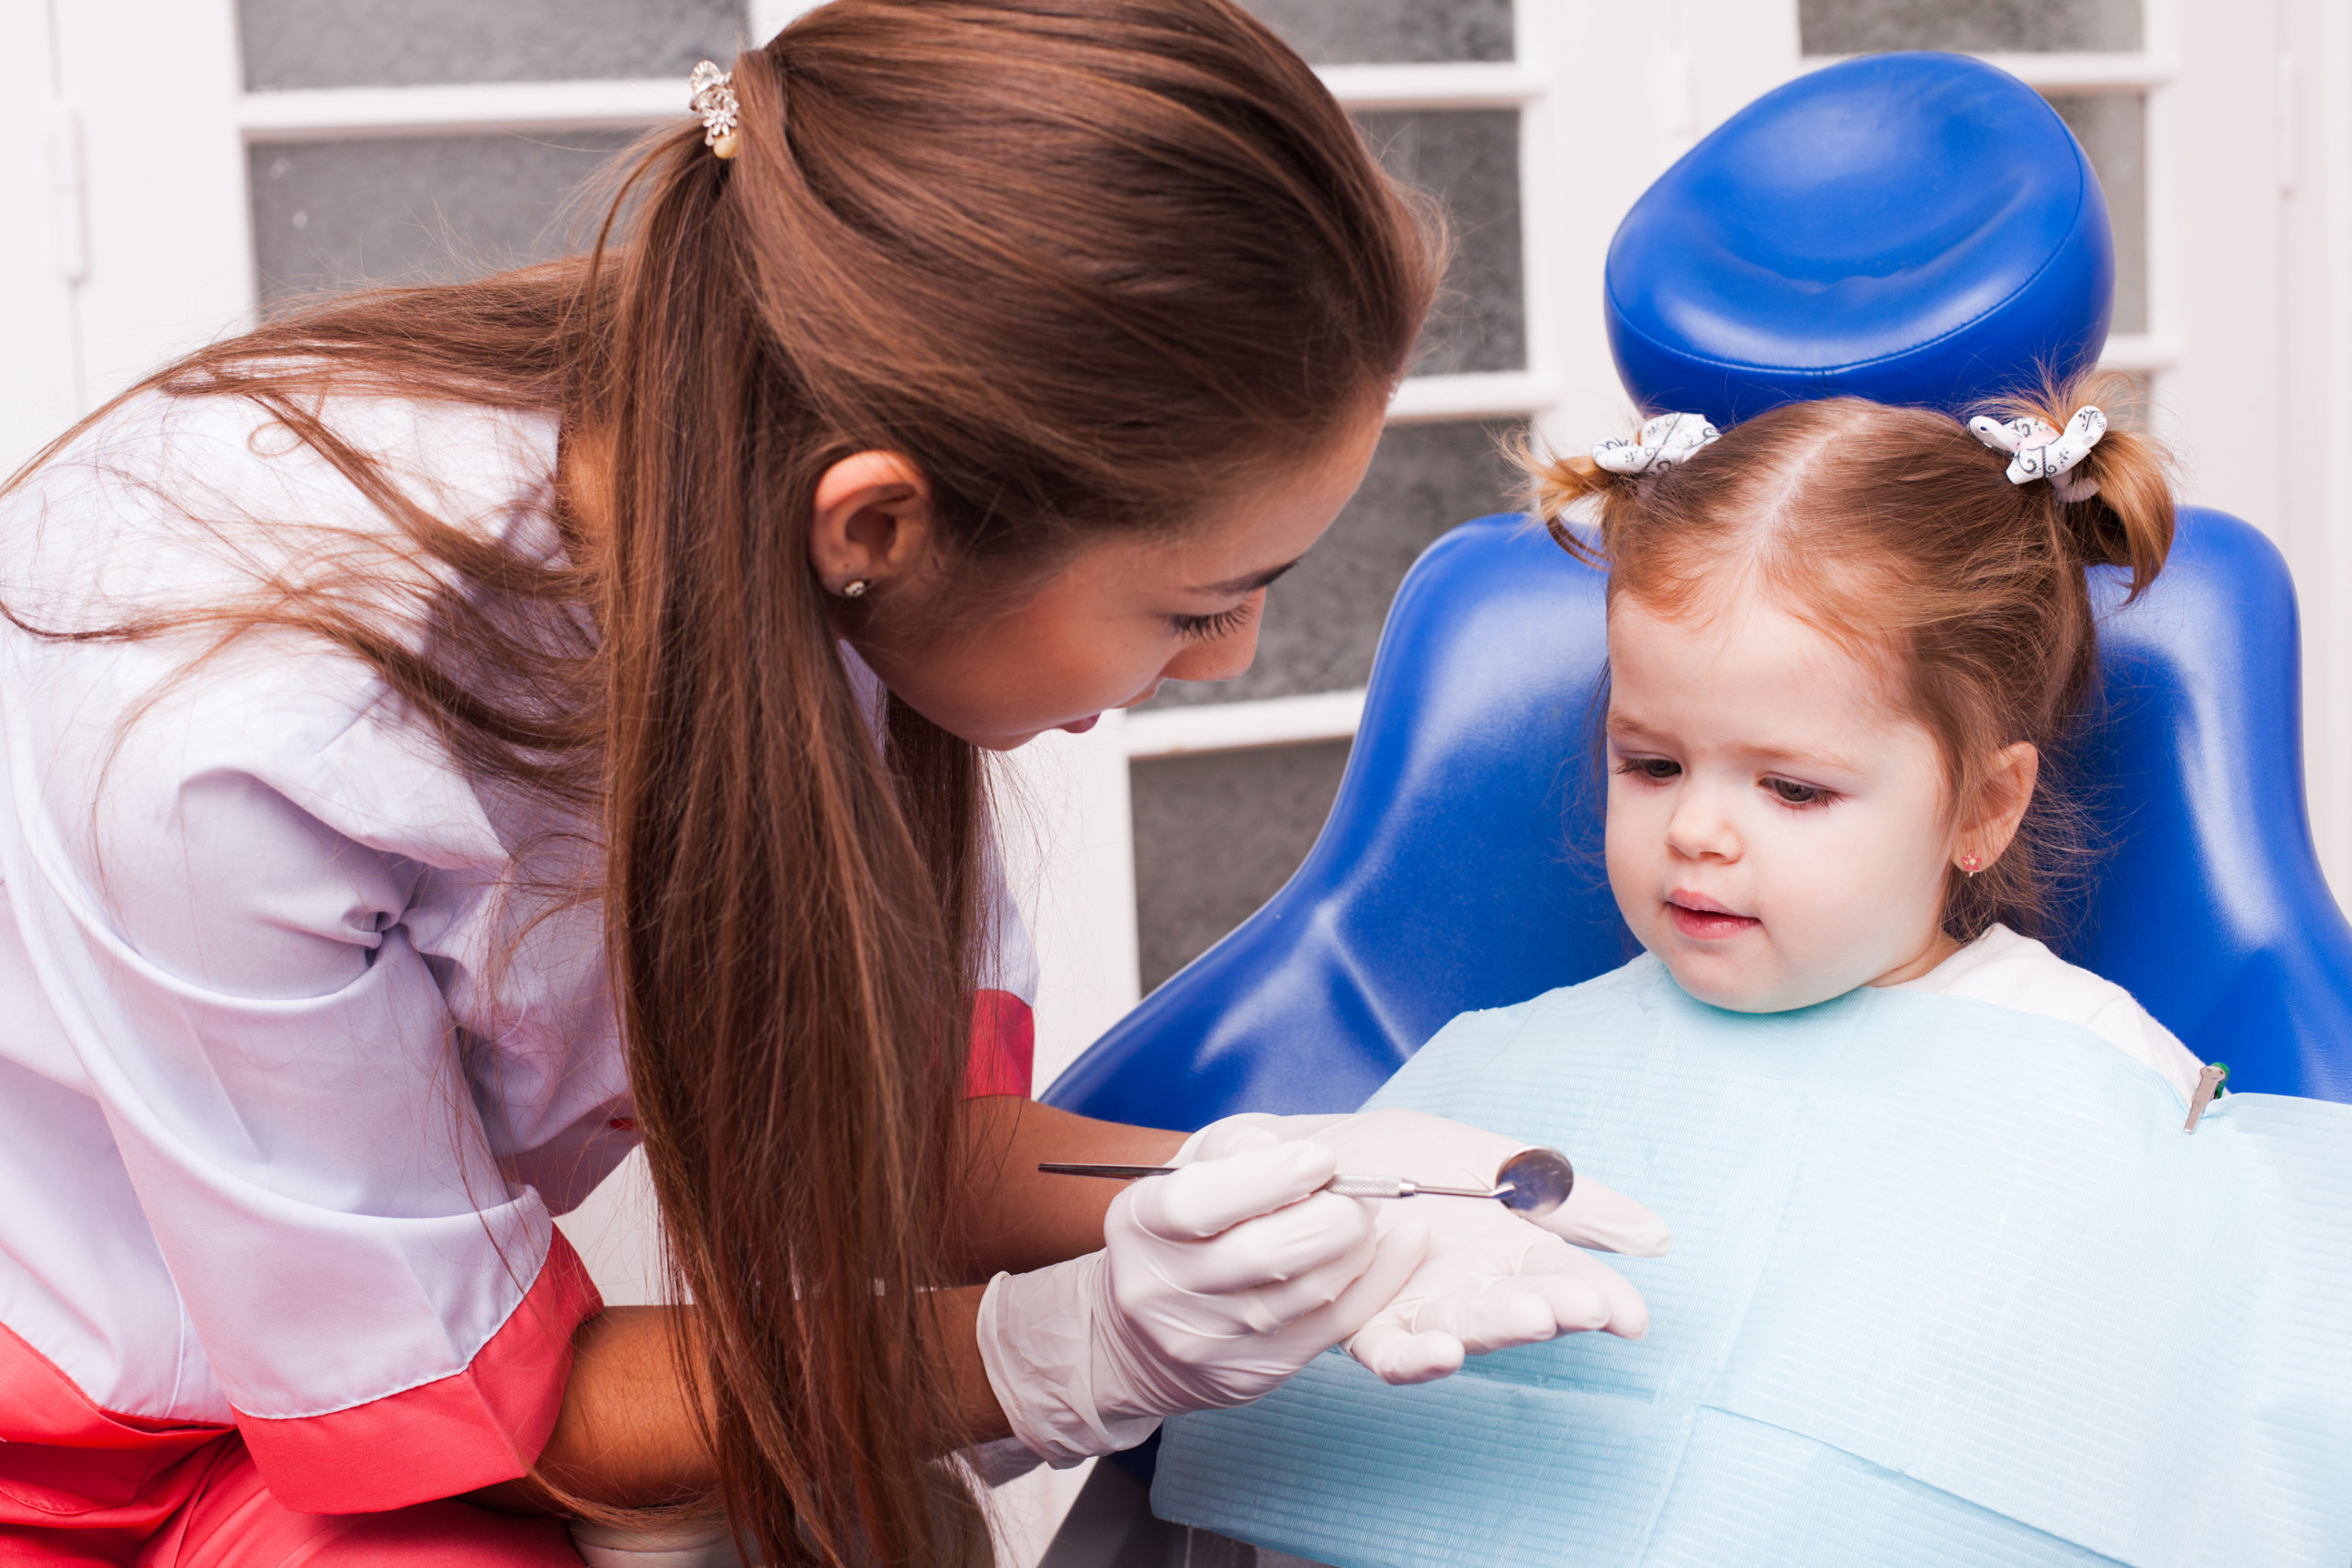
x,y
2000,806
871,521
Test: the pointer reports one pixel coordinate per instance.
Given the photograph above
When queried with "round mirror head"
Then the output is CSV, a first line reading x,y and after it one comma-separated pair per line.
x,y
1539,1180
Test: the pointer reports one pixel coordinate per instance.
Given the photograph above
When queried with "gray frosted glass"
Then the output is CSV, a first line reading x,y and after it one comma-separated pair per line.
x,y
1216,835
1348,32
333,215
1469,160
2113,129
386,43
1857,27
1323,620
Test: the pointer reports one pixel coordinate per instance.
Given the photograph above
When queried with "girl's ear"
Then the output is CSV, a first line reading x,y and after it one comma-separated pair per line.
x,y
1999,806
871,521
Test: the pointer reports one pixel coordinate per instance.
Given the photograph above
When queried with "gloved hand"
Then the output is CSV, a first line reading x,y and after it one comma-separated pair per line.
x,y
1491,1277
1214,1285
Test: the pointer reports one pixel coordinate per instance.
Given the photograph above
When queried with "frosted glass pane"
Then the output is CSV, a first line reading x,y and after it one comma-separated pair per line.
x,y
368,43
1335,32
1323,620
1469,161
1215,835
1857,27
2113,129
332,215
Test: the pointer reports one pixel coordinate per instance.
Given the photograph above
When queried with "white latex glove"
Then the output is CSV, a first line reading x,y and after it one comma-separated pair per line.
x,y
1213,1286
1491,1278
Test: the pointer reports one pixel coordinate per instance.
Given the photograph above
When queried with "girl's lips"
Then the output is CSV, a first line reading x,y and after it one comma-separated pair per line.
x,y
1083,725
1705,925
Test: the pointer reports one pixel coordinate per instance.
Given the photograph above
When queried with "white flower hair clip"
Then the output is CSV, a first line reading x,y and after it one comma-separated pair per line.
x,y
2038,452
714,99
1665,443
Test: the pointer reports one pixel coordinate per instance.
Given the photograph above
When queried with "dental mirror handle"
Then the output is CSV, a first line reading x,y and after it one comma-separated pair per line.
x,y
1534,1181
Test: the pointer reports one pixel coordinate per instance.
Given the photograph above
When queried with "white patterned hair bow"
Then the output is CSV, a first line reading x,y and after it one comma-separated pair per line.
x,y
2038,452
1665,442
714,99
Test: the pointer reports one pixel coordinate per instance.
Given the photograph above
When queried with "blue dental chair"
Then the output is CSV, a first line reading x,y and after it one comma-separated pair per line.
x,y
1914,228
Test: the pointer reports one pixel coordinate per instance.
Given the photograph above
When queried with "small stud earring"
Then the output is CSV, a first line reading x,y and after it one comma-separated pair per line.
x,y
1968,863
855,588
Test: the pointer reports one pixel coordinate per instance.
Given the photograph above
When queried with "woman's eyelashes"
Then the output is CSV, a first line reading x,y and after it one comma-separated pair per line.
x,y
1208,628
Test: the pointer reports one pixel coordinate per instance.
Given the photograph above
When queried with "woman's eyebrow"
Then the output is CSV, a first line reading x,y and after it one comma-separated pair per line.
x,y
1251,583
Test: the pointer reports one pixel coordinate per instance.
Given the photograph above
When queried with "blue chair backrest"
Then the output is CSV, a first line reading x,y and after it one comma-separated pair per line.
x,y
1461,865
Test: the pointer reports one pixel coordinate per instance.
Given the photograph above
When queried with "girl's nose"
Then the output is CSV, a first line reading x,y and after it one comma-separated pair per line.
x,y
1700,828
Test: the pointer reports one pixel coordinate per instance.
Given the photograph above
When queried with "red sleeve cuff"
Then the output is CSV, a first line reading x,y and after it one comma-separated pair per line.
x,y
472,1428
1004,1046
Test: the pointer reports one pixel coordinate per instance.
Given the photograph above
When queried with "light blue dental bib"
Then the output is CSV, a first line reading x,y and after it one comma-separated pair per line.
x,y
1949,1286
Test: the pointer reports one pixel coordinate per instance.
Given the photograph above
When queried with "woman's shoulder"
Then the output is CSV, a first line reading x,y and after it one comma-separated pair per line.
x,y
179,500
165,521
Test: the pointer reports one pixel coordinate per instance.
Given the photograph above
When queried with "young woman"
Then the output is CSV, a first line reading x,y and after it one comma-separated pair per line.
x,y
453,733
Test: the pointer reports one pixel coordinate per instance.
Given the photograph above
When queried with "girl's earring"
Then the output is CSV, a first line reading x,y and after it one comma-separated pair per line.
x,y
855,588
1969,864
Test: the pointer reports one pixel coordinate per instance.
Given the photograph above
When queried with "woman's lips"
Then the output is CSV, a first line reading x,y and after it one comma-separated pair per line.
x,y
1711,924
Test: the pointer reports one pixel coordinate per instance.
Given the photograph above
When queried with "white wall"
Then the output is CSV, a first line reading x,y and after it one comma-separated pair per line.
x,y
43,250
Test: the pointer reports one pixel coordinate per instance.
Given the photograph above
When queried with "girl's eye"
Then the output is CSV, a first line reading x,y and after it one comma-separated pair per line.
x,y
1658,769
1208,628
1792,792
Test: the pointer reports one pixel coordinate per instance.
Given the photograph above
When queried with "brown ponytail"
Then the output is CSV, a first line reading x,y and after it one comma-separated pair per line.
x,y
1895,528
1089,265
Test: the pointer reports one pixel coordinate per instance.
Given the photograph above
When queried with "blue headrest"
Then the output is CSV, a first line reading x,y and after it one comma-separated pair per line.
x,y
1909,228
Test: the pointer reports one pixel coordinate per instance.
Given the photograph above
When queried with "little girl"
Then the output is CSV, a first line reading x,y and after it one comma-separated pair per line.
x,y
1842,639
1938,1240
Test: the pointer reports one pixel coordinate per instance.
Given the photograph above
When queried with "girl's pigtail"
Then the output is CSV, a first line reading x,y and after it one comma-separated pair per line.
x,y
1559,489
2129,523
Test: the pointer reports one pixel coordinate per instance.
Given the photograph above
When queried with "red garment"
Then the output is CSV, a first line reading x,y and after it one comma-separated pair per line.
x,y
1004,1046
79,1484
234,1521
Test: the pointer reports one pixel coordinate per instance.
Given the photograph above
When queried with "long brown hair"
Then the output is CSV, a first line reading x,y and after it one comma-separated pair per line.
x,y
1089,265
1897,531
